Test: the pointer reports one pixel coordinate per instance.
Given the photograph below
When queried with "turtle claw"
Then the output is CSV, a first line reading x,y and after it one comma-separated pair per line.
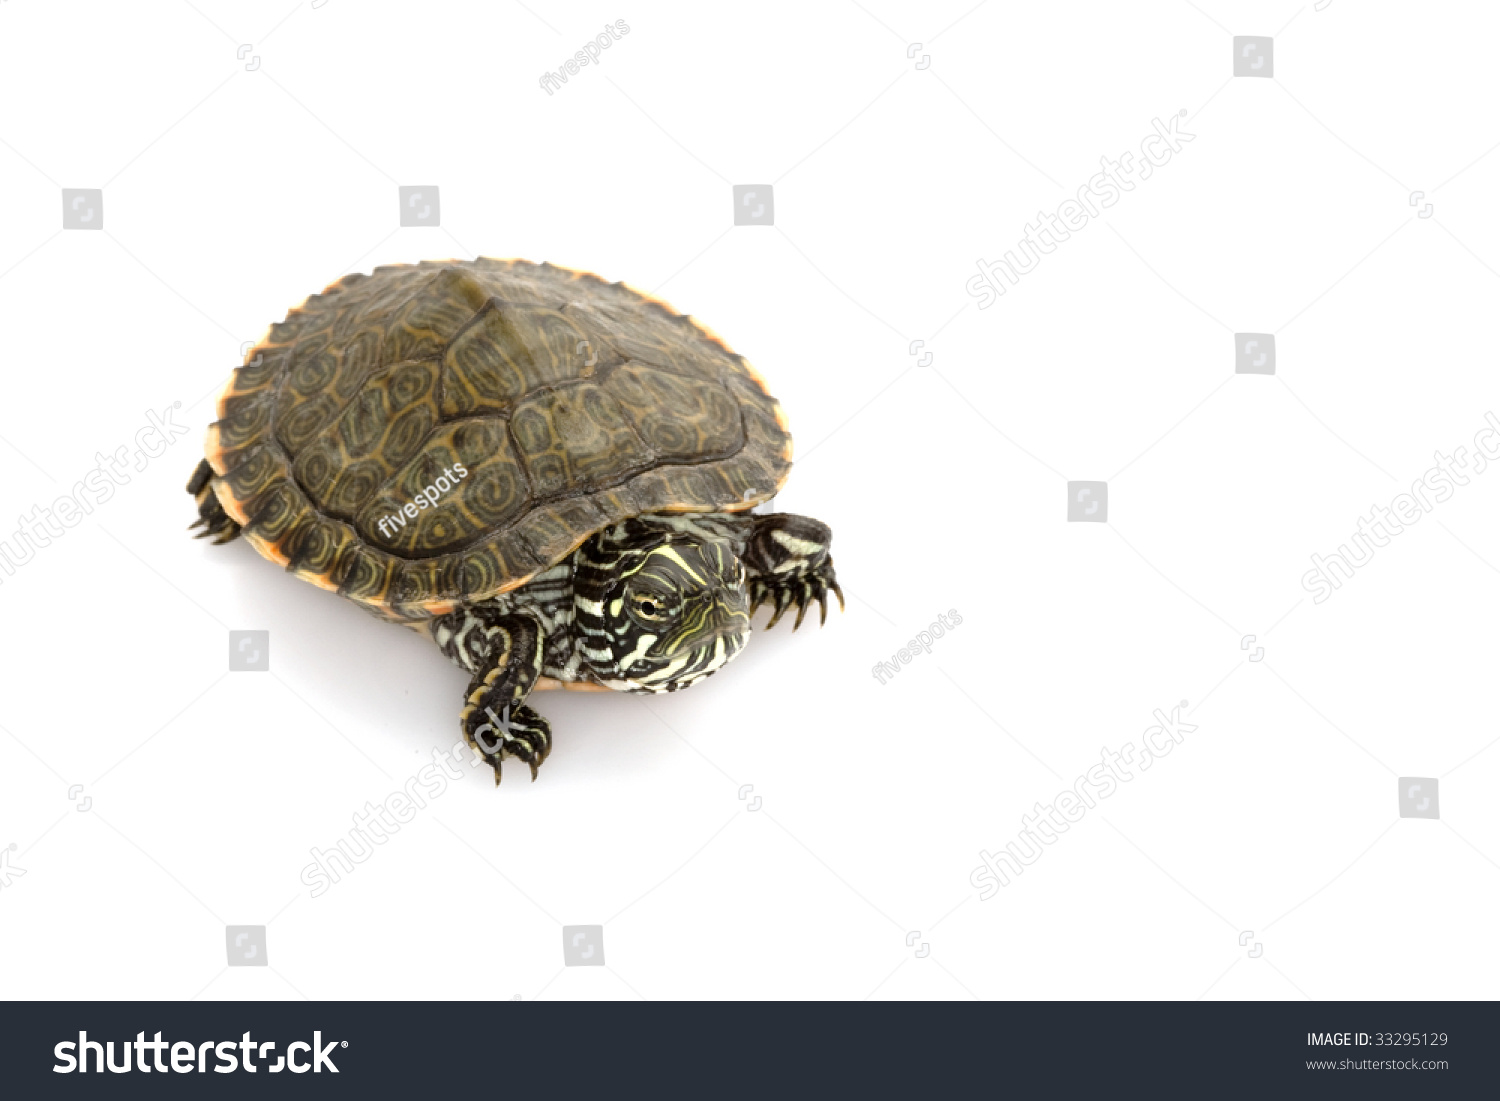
x,y
527,738
496,765
803,591
783,602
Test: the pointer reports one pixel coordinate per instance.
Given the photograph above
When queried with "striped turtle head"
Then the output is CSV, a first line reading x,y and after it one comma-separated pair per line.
x,y
663,614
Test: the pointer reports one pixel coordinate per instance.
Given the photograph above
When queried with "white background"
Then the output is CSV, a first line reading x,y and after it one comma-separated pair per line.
x,y
231,194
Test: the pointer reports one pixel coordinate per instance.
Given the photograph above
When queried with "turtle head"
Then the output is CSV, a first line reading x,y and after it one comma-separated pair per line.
x,y
670,612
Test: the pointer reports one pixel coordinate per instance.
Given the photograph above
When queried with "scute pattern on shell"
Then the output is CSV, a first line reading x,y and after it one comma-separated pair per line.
x,y
572,402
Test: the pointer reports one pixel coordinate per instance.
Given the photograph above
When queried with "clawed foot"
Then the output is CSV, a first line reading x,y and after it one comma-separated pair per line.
x,y
510,731
787,561
783,593
211,515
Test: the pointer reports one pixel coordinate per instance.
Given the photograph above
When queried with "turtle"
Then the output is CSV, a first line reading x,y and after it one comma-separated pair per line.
x,y
549,474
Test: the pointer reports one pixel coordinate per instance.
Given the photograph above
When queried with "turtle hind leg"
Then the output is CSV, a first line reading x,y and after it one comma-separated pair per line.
x,y
211,515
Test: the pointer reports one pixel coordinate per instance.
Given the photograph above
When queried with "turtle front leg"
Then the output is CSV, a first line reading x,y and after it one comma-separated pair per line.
x,y
787,562
504,651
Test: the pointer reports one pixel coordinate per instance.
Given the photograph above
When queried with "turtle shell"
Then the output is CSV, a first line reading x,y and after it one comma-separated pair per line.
x,y
570,404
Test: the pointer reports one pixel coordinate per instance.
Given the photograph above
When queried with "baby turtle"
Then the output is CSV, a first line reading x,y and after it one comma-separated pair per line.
x,y
548,473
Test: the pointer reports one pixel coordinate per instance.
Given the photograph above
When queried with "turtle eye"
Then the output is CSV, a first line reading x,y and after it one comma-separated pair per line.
x,y
649,606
